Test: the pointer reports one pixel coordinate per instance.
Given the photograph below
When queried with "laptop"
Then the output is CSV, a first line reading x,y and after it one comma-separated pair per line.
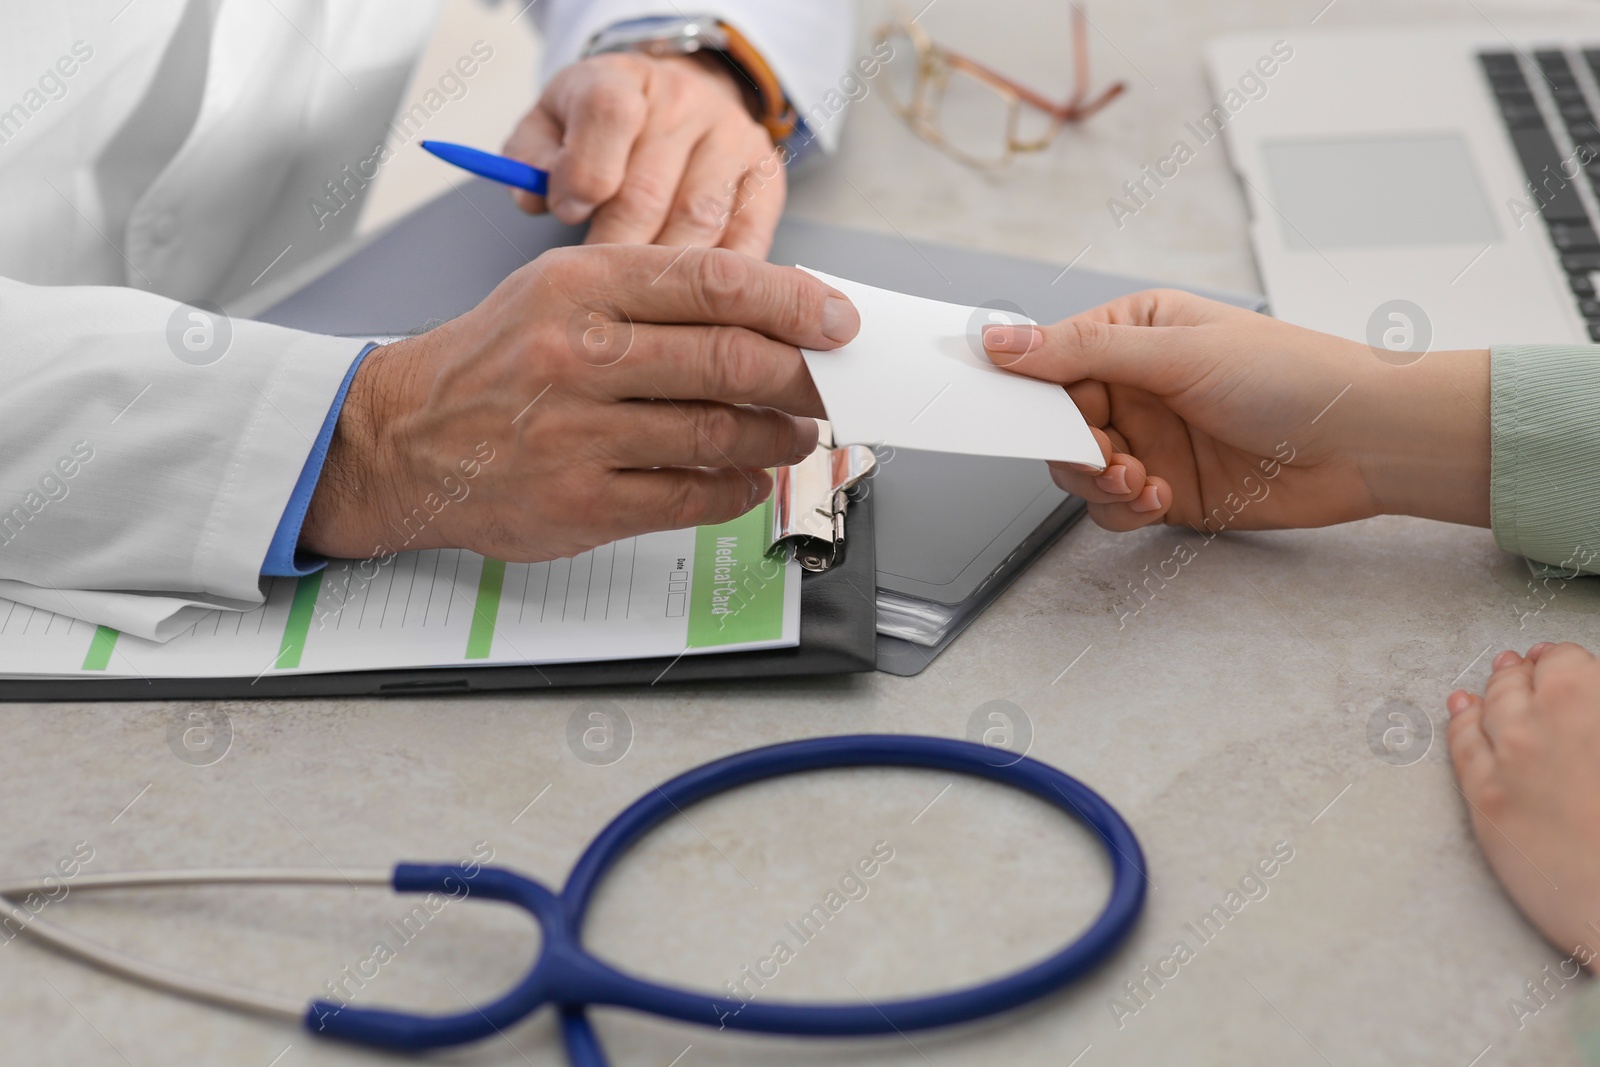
x,y
1420,188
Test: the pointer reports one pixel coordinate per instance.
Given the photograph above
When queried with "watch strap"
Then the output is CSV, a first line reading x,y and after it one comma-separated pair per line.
x,y
777,114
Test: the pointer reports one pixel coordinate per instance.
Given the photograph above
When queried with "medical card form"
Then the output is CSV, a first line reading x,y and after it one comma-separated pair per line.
x,y
678,592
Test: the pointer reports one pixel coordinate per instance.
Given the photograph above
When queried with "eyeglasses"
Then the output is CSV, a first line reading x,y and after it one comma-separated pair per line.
x,y
975,114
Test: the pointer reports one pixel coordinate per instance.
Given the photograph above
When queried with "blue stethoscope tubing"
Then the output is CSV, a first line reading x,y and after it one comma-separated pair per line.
x,y
568,977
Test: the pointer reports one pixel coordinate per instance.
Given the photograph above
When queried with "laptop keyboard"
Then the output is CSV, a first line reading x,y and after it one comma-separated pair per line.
x,y
1557,140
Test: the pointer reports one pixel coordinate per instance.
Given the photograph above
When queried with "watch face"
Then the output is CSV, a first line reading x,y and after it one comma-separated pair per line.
x,y
686,46
661,35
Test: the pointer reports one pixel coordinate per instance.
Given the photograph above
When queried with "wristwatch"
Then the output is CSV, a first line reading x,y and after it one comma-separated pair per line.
x,y
687,35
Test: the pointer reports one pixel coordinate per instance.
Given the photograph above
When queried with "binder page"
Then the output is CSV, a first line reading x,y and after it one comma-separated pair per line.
x,y
674,593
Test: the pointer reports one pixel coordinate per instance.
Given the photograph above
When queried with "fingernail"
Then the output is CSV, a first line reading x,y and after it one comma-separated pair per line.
x,y
1539,649
1505,659
806,432
1457,703
1114,480
1012,340
840,321
759,489
571,211
1149,500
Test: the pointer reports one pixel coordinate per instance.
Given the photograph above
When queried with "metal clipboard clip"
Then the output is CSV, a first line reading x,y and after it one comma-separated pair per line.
x,y
809,503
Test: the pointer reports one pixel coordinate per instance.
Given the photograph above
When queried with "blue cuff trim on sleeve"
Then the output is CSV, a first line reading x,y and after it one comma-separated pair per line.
x,y
801,144
284,559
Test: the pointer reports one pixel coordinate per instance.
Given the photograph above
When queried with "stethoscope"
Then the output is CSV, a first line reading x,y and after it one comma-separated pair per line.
x,y
566,976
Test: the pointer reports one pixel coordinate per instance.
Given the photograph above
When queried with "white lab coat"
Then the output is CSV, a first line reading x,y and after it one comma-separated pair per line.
x,y
160,149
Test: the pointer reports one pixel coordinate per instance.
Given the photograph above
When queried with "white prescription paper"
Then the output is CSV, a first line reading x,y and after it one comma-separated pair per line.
x,y
916,377
678,592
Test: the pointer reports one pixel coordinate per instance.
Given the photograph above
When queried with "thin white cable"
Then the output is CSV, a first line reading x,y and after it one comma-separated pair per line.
x,y
156,975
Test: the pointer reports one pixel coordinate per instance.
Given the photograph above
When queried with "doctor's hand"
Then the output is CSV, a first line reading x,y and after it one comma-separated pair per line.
x,y
598,393
653,150
1214,417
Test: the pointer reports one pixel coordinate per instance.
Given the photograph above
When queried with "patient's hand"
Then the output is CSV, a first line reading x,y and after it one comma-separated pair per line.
x,y
654,150
1526,754
598,393
1212,415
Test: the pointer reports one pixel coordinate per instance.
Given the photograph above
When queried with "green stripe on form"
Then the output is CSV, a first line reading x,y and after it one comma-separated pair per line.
x,y
486,610
296,630
100,646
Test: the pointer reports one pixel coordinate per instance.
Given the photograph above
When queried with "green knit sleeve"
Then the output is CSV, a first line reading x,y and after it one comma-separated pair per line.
x,y
1584,1019
1545,480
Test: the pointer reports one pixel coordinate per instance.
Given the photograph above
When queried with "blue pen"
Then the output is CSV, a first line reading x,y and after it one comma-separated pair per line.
x,y
488,165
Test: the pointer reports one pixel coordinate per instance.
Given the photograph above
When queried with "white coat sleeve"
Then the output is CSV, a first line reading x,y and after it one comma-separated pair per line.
x,y
139,489
808,43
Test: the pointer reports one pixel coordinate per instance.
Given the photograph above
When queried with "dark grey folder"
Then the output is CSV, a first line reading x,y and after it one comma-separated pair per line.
x,y
953,530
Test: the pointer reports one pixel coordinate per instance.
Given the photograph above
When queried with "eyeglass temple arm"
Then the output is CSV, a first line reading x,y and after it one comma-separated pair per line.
x,y
1074,108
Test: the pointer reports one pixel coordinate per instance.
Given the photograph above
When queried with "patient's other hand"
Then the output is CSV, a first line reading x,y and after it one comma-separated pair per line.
x,y
1526,754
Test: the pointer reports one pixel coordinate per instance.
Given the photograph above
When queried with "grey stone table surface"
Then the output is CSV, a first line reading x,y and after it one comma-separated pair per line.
x,y
1230,712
